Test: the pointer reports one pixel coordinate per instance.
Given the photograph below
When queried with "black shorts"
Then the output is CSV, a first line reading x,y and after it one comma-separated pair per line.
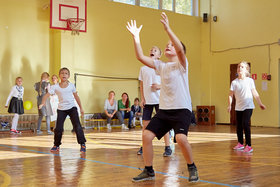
x,y
165,120
148,111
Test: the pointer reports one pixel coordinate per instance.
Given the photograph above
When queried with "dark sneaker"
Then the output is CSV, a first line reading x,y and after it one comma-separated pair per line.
x,y
55,148
167,152
144,176
83,148
140,152
193,174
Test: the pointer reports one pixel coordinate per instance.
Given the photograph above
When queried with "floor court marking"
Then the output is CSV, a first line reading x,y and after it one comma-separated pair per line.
x,y
118,165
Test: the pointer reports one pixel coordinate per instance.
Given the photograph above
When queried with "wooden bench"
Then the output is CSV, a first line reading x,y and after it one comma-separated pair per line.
x,y
25,122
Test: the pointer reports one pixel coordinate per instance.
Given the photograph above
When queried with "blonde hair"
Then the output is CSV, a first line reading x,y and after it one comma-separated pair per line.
x,y
17,79
54,75
40,87
157,48
247,74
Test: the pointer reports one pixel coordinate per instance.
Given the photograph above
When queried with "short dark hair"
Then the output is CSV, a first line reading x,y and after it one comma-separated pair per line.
x,y
136,99
184,47
64,68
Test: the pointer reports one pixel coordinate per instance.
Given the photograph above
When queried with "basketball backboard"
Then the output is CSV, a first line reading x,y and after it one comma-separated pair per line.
x,y
61,10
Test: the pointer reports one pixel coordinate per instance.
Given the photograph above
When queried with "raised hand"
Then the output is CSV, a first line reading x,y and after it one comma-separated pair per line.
x,y
132,28
164,21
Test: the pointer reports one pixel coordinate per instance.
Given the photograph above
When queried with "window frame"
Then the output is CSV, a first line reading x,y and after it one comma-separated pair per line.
x,y
194,9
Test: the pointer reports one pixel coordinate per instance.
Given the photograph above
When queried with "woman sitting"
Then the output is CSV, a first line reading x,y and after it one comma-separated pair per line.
x,y
111,108
124,108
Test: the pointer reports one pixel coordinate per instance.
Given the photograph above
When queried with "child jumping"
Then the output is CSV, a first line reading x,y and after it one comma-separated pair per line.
x,y
174,87
66,93
243,88
42,88
16,104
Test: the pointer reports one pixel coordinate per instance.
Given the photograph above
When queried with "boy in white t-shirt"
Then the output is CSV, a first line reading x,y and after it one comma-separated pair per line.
x,y
67,95
150,92
175,101
243,88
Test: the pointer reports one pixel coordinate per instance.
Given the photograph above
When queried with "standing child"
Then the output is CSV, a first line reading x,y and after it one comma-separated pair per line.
x,y
66,93
54,100
16,103
150,92
137,112
175,101
243,88
42,88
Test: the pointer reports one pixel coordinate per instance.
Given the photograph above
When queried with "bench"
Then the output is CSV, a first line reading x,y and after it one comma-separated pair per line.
x,y
25,122
95,121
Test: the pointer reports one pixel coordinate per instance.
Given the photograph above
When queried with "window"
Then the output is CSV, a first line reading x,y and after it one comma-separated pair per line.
x,y
131,2
184,7
149,3
167,5
178,6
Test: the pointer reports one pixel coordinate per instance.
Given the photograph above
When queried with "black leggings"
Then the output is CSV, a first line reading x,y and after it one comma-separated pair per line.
x,y
243,123
74,117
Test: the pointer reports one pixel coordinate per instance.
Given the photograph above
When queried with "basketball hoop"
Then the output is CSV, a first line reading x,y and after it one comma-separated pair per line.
x,y
75,24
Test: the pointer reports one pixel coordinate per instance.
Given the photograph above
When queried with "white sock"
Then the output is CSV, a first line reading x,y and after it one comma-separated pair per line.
x,y
15,121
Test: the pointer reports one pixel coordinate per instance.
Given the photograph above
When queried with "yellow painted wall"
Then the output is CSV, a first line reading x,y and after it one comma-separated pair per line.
x,y
28,47
24,46
240,23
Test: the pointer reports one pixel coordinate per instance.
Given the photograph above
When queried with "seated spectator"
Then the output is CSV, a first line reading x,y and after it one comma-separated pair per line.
x,y
137,112
124,108
111,109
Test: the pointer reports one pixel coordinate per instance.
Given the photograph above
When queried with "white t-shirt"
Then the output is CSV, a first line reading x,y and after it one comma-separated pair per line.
x,y
65,96
175,92
149,77
242,90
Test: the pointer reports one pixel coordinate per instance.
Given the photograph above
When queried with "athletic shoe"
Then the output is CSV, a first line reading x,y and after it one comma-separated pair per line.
x,y
167,151
238,146
248,149
109,126
140,152
144,176
55,148
83,148
50,133
13,131
4,124
39,132
193,174
124,127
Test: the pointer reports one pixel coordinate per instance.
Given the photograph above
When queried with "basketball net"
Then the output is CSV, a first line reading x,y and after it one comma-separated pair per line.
x,y
75,24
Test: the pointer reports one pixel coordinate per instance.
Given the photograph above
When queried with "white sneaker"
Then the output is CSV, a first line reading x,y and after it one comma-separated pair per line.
x,y
124,127
109,126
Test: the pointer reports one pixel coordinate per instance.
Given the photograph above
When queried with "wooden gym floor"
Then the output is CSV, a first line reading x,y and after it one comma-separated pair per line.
x,y
111,159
